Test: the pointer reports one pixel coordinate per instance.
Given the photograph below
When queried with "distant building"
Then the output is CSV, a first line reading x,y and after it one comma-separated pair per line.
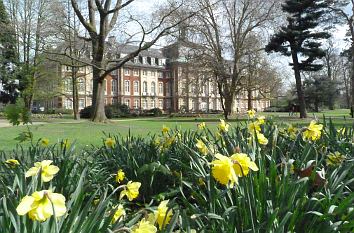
x,y
157,78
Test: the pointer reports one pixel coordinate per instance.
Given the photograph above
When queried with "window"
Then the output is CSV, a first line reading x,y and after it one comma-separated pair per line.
x,y
144,60
145,104
145,86
153,73
136,87
81,103
127,86
136,104
114,101
160,87
135,60
68,84
153,88
114,86
136,72
152,103
126,71
161,104
159,74
68,104
127,102
144,72
81,85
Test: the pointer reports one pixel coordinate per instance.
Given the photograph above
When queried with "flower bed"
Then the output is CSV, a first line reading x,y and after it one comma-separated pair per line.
x,y
257,177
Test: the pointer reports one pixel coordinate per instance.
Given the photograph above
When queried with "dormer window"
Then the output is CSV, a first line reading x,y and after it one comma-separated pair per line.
x,y
149,60
144,60
157,61
135,60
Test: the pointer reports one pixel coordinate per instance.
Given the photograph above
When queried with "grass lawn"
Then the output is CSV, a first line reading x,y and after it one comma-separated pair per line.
x,y
87,133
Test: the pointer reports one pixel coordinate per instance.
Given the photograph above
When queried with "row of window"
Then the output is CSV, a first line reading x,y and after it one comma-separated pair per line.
x,y
144,87
135,72
145,104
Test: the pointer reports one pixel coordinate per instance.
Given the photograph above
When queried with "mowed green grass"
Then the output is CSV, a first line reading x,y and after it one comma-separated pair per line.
x,y
86,133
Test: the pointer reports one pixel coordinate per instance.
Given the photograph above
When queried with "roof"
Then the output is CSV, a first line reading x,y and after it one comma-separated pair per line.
x,y
126,49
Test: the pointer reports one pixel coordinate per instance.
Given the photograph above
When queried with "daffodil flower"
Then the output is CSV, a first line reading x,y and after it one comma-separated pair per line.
x,y
162,216
120,212
144,227
44,142
201,126
262,139
131,190
313,131
42,205
47,170
120,176
12,163
165,129
223,126
242,164
251,113
202,147
223,170
110,142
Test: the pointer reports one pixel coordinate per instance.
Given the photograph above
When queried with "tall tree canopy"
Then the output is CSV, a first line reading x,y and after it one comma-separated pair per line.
x,y
8,56
301,39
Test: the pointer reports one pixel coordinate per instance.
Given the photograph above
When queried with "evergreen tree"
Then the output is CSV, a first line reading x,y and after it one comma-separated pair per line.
x,y
300,38
8,57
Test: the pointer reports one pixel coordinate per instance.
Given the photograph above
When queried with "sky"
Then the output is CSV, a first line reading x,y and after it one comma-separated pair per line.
x,y
281,62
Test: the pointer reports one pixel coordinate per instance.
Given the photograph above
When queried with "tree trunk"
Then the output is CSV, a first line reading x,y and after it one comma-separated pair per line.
x,y
249,99
299,87
227,105
352,79
98,114
75,99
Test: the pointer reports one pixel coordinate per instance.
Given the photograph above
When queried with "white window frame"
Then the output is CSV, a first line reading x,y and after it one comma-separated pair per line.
x,y
127,86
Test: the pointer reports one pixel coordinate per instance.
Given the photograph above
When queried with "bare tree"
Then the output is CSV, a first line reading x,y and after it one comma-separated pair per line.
x,y
103,16
339,7
30,20
221,31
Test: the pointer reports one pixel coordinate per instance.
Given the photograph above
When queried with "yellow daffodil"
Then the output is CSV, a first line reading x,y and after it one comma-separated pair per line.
x,y
12,163
242,164
251,113
313,131
120,212
96,201
341,131
169,141
335,159
47,170
292,129
254,127
162,215
40,205
65,144
120,176
223,171
110,142
131,190
201,126
44,142
203,149
165,129
261,120
201,182
223,126
217,135
144,227
262,139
